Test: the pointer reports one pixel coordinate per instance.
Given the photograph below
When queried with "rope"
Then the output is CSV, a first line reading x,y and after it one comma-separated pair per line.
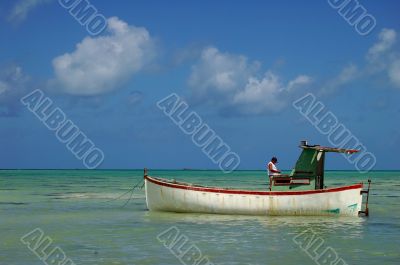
x,y
133,189
129,191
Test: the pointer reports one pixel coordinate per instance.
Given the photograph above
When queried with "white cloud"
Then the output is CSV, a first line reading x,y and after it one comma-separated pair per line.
x,y
13,85
299,81
3,87
101,64
218,72
386,40
21,9
381,58
260,95
348,73
230,81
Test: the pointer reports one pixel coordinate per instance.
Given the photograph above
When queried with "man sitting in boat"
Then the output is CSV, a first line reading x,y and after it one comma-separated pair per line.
x,y
272,169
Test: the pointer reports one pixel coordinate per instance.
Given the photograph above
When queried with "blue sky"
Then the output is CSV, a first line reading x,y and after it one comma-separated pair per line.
x,y
239,65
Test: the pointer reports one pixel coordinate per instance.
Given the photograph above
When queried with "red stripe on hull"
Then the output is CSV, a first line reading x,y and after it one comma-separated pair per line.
x,y
248,192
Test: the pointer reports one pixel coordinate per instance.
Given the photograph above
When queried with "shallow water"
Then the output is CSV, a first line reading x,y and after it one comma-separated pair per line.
x,y
81,212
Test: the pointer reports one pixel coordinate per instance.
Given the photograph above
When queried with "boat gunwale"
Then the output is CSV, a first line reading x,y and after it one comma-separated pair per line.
x,y
185,186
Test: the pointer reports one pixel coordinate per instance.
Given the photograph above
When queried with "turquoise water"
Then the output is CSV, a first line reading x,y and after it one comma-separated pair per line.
x,y
79,211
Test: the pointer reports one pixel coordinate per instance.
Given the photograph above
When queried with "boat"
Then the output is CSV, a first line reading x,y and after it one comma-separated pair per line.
x,y
302,192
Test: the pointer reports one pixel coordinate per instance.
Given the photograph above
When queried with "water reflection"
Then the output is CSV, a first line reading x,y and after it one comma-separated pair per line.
x,y
350,226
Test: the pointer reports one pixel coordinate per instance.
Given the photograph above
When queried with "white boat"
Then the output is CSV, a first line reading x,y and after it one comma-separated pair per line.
x,y
300,193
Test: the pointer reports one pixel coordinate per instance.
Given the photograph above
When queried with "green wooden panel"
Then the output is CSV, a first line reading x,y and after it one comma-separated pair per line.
x,y
307,162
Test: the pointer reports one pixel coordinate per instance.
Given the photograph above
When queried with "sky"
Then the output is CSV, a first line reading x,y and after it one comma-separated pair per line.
x,y
240,66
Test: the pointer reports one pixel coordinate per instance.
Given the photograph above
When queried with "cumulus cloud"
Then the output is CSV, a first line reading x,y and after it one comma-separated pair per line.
x,y
20,10
100,64
260,95
14,84
230,81
218,72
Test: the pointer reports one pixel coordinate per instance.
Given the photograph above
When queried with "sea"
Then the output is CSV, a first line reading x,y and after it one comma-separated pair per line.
x,y
100,217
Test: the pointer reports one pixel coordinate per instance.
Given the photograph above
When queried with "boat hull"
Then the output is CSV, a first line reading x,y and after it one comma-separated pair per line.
x,y
169,196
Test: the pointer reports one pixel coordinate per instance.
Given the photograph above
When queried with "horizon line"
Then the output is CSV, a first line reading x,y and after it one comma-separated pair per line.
x,y
175,169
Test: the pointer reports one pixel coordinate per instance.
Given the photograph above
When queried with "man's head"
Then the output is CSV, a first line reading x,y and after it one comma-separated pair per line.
x,y
274,160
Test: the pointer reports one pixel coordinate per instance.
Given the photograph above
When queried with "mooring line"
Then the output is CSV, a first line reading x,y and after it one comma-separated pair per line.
x,y
129,191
